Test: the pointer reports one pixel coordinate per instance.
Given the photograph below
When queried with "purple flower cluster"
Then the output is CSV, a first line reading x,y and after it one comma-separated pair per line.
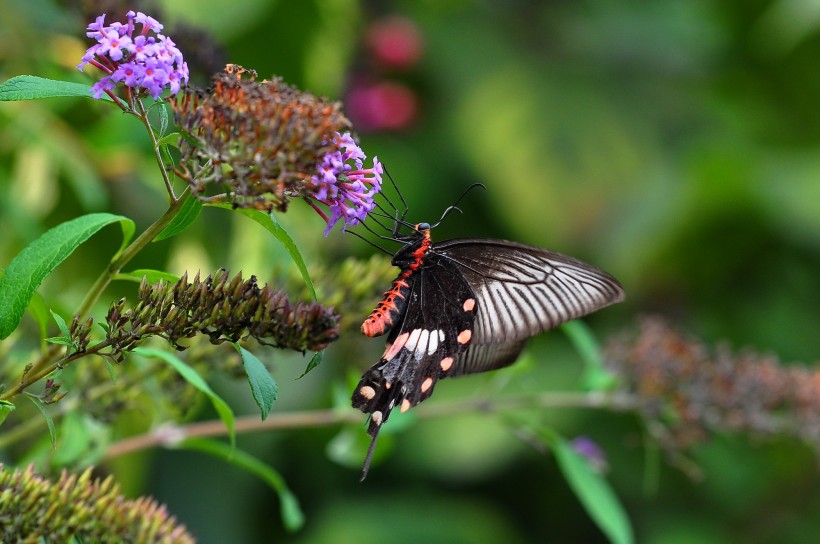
x,y
149,64
345,189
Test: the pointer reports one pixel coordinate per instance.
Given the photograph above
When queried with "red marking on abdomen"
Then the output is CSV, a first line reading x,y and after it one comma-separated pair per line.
x,y
381,319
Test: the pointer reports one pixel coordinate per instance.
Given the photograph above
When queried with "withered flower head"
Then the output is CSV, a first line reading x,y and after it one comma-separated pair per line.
x,y
224,309
79,508
691,390
262,141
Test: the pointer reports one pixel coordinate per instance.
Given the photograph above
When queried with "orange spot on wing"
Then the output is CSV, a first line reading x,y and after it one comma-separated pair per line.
x,y
464,336
367,392
426,385
446,363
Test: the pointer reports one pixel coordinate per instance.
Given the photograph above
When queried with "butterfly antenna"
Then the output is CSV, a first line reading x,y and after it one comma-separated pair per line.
x,y
455,207
398,192
397,223
398,218
377,246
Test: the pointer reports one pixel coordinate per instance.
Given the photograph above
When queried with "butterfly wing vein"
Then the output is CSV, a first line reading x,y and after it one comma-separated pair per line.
x,y
522,291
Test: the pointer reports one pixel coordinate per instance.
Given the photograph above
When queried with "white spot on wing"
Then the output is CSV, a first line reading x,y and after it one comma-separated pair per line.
x,y
435,338
413,340
422,346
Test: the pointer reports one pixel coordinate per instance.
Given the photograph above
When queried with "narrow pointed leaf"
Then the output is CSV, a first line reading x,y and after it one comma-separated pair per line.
x,y
61,324
596,377
594,492
33,88
151,276
40,313
272,225
171,139
292,516
187,214
315,361
52,431
263,386
192,376
6,408
36,261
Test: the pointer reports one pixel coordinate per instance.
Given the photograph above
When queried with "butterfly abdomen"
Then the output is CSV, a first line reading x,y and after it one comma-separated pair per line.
x,y
384,316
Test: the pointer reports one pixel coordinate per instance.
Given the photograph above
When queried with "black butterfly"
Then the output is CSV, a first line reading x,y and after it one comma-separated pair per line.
x,y
465,306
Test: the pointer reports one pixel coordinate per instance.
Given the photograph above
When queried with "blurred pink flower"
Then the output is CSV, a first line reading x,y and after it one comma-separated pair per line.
x,y
381,106
395,42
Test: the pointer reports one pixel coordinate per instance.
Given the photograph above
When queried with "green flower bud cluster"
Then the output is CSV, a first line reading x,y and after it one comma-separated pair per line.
x,y
34,509
224,309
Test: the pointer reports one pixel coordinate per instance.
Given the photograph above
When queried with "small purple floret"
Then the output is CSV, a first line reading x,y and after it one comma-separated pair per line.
x,y
149,64
591,451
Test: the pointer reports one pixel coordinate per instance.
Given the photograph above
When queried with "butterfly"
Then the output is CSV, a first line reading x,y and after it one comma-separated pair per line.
x,y
464,306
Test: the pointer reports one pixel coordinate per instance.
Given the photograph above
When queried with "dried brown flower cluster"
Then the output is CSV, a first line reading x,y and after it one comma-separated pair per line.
x,y
33,510
691,391
259,140
224,309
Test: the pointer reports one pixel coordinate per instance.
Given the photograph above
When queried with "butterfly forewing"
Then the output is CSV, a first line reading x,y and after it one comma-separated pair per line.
x,y
522,291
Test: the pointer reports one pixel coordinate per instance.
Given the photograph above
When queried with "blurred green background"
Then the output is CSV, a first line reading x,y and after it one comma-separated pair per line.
x,y
674,144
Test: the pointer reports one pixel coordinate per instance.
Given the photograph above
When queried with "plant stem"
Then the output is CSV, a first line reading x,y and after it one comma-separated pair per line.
x,y
157,153
46,365
33,424
36,374
171,435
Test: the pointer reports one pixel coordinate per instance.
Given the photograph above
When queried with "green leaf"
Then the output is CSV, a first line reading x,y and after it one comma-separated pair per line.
x,y
191,376
59,340
171,139
30,267
350,445
151,276
65,339
593,491
292,516
163,117
52,431
39,312
33,88
263,386
6,408
315,361
75,439
596,377
187,214
271,225
111,371
61,324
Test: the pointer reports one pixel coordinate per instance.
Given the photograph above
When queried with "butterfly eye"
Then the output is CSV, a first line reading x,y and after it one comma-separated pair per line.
x,y
423,226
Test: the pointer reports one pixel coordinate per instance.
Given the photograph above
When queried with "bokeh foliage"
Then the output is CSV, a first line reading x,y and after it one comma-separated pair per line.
x,y
674,144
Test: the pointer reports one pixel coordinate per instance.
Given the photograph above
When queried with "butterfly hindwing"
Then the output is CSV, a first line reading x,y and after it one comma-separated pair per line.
x,y
435,328
484,357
